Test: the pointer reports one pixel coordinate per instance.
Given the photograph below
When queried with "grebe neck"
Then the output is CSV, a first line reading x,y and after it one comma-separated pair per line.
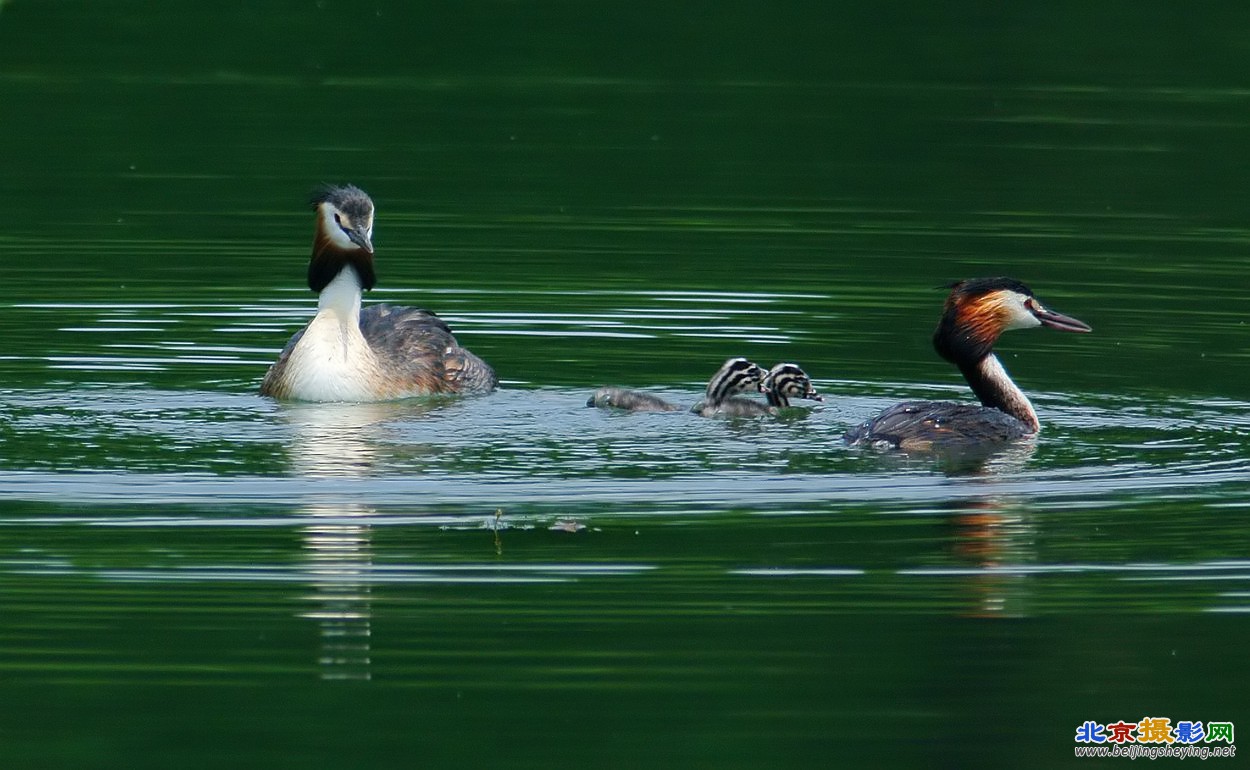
x,y
341,297
735,376
994,388
332,360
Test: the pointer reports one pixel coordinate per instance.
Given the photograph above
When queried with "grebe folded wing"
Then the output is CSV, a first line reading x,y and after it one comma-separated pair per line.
x,y
417,345
922,425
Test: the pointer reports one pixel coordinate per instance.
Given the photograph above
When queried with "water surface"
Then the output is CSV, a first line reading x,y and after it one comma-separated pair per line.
x,y
192,575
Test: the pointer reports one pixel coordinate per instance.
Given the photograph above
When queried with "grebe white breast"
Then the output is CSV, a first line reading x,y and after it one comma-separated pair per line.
x,y
378,353
975,314
782,383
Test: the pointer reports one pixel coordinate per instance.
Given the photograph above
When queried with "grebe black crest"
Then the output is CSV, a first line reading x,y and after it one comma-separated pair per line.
x,y
976,313
377,353
782,383
737,375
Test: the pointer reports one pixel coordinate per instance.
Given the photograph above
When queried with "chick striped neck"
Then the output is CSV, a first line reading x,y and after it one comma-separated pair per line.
x,y
786,381
736,376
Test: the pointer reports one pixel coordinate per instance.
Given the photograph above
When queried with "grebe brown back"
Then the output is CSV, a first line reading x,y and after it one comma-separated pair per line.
x,y
378,353
975,314
782,383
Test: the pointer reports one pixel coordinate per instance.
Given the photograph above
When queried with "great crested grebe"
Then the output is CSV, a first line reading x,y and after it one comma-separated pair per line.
x,y
976,313
736,375
782,383
379,353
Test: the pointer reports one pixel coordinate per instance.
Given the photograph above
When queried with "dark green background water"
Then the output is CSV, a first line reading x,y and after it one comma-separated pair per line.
x,y
193,576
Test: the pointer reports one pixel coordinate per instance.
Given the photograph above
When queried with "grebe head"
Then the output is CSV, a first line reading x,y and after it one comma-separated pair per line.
x,y
787,381
344,236
980,309
737,375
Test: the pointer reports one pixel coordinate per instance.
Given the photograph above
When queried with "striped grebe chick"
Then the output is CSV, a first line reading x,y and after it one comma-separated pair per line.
x,y
737,375
782,383
379,353
975,314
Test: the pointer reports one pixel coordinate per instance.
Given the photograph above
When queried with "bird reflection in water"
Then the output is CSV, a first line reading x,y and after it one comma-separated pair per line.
x,y
995,539
340,441
338,565
993,535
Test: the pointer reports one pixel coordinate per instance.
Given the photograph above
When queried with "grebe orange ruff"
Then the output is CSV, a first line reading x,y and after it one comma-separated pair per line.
x,y
380,353
976,313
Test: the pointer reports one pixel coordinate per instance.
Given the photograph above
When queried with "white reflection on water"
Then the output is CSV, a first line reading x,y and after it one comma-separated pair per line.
x,y
338,558
345,441
327,441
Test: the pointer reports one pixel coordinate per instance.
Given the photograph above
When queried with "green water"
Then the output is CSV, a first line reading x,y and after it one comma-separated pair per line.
x,y
194,576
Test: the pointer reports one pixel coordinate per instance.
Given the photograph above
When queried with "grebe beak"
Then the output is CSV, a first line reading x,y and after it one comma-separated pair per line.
x,y
814,396
1063,323
361,239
